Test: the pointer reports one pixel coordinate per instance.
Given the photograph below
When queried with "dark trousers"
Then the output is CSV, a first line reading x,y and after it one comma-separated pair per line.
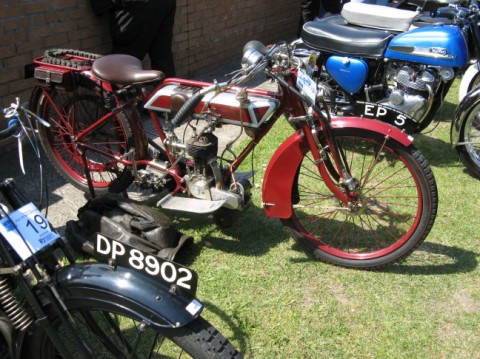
x,y
142,31
310,9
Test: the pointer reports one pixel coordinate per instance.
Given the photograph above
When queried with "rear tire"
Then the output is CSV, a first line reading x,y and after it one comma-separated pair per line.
x,y
69,113
394,210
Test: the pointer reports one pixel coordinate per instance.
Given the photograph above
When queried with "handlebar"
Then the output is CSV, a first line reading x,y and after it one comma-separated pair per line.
x,y
20,125
458,10
13,124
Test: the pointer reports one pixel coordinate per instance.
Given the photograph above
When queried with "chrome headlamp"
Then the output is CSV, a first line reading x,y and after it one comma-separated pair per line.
x,y
253,54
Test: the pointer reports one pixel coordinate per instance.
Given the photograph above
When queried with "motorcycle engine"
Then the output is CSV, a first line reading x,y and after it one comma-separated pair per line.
x,y
412,89
205,172
203,149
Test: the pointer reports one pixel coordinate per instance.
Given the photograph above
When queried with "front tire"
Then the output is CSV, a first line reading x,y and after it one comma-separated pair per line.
x,y
393,210
110,331
469,150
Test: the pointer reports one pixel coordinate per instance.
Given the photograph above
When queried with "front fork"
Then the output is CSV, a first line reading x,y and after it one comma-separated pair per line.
x,y
310,124
319,153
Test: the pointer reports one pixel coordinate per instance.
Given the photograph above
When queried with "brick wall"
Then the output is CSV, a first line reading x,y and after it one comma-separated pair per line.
x,y
207,32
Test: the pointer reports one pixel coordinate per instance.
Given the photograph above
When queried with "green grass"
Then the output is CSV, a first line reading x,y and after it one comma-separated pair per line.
x,y
272,299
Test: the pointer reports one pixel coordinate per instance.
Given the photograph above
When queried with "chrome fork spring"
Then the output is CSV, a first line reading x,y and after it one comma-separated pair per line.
x,y
12,306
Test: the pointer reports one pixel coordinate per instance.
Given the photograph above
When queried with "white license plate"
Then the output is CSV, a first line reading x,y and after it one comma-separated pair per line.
x,y
27,230
130,257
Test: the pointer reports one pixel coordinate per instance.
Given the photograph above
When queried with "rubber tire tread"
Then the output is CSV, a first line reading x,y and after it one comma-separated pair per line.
x,y
205,339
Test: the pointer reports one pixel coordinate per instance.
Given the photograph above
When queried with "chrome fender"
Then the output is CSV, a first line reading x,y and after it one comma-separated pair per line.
x,y
145,297
463,109
467,78
281,170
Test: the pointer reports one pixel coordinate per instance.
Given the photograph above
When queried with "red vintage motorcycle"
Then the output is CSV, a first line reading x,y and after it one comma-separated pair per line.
x,y
355,192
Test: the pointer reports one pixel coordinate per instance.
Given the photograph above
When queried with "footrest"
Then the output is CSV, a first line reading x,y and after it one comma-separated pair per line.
x,y
192,205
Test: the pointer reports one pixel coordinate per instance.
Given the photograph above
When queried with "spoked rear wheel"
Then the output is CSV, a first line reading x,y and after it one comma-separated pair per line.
x,y
69,114
108,333
390,214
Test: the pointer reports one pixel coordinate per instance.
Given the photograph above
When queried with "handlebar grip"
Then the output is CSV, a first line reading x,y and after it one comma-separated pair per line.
x,y
10,130
445,12
187,109
14,195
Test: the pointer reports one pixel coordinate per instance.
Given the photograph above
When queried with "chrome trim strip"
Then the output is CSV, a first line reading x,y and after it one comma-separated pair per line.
x,y
431,52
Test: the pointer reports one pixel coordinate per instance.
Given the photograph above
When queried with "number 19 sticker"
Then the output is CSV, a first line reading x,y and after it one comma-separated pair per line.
x,y
27,222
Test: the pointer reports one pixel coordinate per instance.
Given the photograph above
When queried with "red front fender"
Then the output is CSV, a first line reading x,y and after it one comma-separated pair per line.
x,y
280,173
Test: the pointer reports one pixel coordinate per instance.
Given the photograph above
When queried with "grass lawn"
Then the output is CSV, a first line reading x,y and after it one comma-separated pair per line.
x,y
274,300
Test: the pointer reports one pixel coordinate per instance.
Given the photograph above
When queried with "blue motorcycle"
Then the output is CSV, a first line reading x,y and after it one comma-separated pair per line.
x,y
388,63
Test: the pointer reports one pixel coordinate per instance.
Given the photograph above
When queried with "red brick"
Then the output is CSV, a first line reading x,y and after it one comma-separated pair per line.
x,y
16,23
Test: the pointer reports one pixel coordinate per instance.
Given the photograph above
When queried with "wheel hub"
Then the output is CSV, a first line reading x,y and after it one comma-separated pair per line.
x,y
357,204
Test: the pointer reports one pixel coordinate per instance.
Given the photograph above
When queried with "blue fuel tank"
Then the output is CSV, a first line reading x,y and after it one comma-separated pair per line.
x,y
348,72
437,45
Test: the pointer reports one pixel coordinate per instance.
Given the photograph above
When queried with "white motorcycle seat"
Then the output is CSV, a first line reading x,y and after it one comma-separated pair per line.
x,y
378,16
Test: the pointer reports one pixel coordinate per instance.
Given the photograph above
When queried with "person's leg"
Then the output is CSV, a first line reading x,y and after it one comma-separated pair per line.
x,y
130,33
332,6
160,50
309,9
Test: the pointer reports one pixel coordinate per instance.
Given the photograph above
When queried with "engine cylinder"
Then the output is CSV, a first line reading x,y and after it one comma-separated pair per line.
x,y
413,82
204,147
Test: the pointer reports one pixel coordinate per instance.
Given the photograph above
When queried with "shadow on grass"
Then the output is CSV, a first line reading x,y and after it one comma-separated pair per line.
x,y
434,262
428,259
437,152
239,336
444,114
252,234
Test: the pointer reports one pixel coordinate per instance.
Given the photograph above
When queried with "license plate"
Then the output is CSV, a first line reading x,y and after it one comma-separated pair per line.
x,y
386,114
27,231
307,85
130,257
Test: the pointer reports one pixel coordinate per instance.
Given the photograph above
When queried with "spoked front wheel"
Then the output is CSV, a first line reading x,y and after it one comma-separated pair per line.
x,y
108,333
389,215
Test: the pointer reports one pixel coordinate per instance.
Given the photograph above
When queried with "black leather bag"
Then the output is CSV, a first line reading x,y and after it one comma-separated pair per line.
x,y
128,222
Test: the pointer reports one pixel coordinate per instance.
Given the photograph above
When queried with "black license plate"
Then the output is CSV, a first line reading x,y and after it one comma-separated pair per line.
x,y
127,256
386,114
